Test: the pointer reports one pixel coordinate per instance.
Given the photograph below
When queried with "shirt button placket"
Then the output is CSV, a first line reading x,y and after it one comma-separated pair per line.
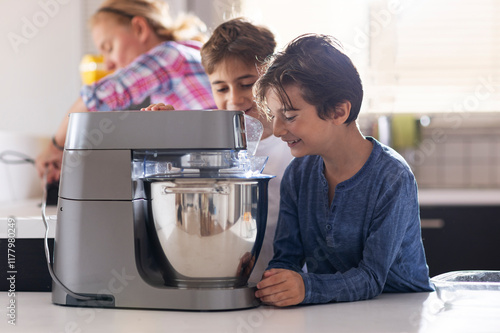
x,y
329,226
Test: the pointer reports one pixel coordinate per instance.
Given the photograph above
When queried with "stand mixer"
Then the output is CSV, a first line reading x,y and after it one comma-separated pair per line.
x,y
158,210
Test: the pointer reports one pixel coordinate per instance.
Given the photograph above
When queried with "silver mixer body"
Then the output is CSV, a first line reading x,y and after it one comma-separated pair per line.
x,y
158,210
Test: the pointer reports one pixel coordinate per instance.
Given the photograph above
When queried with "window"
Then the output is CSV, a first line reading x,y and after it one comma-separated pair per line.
x,y
415,56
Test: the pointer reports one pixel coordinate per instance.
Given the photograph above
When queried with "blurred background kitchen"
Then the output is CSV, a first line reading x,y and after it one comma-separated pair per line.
x,y
431,74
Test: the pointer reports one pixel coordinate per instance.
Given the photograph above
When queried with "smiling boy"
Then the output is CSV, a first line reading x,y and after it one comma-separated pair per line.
x,y
349,205
232,58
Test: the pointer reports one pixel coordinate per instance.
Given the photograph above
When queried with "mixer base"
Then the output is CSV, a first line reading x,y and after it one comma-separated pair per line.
x,y
189,299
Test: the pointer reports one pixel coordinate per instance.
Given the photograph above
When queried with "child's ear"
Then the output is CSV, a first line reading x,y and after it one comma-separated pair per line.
x,y
141,28
341,112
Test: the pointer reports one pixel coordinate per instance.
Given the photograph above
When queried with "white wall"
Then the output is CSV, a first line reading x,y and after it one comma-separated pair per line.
x,y
40,52
39,63
42,43
346,20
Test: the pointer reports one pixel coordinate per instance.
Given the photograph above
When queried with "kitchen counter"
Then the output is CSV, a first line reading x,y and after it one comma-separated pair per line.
x,y
414,312
460,229
459,197
21,224
27,215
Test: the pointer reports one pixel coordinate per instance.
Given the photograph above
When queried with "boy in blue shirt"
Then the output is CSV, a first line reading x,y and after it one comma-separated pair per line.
x,y
349,204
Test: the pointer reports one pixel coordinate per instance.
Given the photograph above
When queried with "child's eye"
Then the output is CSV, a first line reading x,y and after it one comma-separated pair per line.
x,y
221,90
287,116
106,48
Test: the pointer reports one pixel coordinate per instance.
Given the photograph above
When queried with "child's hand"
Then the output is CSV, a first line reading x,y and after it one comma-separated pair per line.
x,y
49,161
158,107
281,287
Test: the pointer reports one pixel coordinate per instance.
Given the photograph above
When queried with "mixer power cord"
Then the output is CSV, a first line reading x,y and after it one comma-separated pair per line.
x,y
15,157
47,250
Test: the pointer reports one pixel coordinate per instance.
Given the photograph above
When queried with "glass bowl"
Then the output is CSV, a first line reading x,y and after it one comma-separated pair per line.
x,y
469,288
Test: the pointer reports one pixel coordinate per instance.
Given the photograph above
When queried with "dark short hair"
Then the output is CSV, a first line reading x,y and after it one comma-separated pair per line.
x,y
239,39
325,75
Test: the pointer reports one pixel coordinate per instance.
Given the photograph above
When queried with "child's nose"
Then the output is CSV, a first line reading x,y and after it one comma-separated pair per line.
x,y
278,127
236,100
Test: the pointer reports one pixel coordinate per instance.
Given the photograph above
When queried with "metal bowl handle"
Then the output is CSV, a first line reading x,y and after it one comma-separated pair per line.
x,y
205,190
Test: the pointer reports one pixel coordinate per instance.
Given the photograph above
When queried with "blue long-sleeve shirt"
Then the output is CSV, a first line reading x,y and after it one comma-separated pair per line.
x,y
366,241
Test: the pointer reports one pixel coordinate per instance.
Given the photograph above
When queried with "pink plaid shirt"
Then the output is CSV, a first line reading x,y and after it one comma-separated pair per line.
x,y
170,73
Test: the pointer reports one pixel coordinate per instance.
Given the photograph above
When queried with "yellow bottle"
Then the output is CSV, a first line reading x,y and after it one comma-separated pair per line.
x,y
92,68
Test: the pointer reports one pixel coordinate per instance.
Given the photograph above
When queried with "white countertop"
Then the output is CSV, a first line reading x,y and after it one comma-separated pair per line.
x,y
414,312
27,215
459,197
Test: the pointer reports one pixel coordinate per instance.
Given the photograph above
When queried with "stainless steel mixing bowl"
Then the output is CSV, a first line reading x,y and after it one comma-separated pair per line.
x,y
210,230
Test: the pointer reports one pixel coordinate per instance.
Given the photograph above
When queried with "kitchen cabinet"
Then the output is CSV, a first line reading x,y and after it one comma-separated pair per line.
x,y
461,237
31,270
21,224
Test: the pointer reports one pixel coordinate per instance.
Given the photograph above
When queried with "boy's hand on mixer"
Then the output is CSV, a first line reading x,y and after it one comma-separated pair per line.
x,y
281,287
158,107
